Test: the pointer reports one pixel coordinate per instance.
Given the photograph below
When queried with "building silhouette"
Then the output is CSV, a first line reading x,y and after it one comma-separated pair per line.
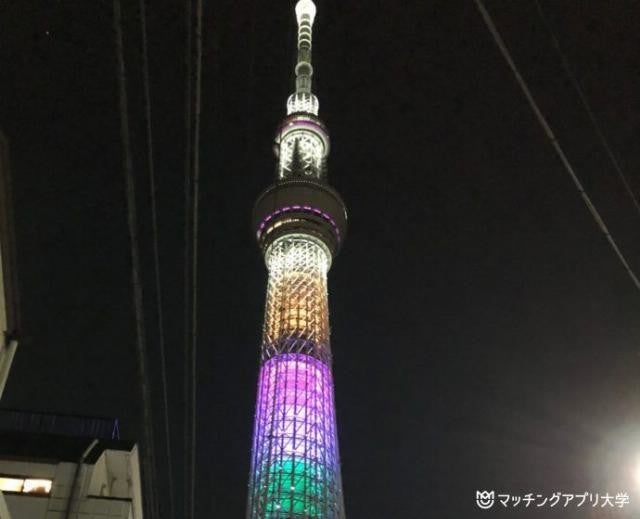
x,y
9,302
9,307
67,467
52,466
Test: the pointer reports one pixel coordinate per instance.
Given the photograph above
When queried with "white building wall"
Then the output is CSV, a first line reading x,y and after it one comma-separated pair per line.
x,y
28,470
27,507
99,479
136,488
4,511
5,354
7,350
108,489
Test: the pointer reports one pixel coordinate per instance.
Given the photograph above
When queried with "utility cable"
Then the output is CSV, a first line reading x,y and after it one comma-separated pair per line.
x,y
137,293
156,254
187,255
554,141
587,107
193,98
194,254
250,85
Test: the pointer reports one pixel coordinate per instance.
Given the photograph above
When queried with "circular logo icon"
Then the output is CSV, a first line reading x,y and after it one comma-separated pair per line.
x,y
485,499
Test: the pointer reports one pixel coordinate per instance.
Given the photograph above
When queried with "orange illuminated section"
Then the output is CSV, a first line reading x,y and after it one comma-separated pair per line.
x,y
297,311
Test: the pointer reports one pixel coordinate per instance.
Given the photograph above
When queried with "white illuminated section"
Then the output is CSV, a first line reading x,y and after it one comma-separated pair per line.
x,y
302,102
11,484
305,8
305,13
636,474
313,147
311,150
37,486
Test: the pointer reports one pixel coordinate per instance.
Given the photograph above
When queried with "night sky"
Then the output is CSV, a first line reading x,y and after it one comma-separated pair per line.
x,y
484,334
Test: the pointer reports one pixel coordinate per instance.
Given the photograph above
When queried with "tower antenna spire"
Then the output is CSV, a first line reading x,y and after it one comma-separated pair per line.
x,y
305,13
303,100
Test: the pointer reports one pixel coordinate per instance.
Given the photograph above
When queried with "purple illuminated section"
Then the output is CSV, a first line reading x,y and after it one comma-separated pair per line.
x,y
295,468
300,208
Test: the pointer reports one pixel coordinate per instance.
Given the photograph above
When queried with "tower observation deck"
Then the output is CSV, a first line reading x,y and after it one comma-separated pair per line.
x,y
300,222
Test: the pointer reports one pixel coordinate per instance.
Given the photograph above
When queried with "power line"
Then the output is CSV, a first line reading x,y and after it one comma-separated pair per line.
x,y
193,109
137,293
587,107
194,253
250,83
187,261
156,255
554,141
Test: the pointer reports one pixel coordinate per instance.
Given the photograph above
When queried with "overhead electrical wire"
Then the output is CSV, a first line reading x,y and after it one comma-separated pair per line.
x,y
193,109
194,253
148,460
187,255
585,103
248,119
554,141
156,254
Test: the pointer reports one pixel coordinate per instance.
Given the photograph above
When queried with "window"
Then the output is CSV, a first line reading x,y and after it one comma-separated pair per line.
x,y
11,484
37,486
26,486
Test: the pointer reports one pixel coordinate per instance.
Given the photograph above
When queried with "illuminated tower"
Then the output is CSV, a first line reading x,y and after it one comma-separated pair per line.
x,y
300,223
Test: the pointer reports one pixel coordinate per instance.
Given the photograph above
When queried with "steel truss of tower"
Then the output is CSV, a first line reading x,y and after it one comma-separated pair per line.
x,y
300,224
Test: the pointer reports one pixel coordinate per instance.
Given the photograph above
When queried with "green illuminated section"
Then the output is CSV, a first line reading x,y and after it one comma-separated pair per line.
x,y
295,488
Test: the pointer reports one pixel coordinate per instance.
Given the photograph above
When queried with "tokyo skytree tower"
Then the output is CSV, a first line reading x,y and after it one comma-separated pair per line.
x,y
300,223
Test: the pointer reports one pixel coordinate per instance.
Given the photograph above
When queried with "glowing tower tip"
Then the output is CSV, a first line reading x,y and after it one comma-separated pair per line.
x,y
305,7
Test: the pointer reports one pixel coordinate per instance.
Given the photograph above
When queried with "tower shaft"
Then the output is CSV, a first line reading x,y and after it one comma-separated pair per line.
x,y
295,463
300,223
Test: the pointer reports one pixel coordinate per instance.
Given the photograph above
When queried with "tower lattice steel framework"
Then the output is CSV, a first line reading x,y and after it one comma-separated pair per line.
x,y
300,223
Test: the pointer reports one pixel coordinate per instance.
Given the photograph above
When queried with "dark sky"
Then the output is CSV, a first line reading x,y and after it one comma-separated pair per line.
x,y
485,336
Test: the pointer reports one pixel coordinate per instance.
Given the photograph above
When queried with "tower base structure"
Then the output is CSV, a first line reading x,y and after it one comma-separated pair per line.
x,y
297,472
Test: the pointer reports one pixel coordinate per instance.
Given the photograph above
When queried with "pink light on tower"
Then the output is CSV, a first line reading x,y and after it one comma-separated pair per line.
x,y
300,223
